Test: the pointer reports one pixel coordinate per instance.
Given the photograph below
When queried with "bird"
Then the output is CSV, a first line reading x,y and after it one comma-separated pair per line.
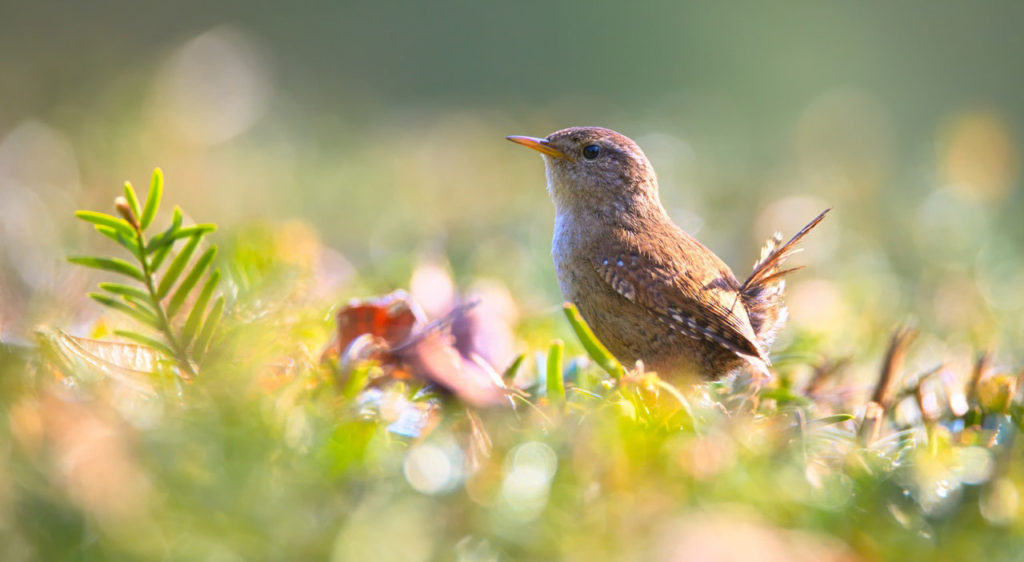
x,y
650,291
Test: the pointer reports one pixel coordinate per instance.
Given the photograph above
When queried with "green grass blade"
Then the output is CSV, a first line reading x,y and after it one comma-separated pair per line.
x,y
595,349
555,384
784,396
177,266
156,191
109,264
196,314
133,200
838,418
513,369
125,290
148,342
120,306
110,221
212,319
181,293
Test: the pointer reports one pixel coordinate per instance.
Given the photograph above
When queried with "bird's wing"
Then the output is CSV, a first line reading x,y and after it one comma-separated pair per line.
x,y
698,298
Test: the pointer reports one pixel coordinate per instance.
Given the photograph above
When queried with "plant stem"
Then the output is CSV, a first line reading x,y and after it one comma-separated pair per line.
x,y
165,325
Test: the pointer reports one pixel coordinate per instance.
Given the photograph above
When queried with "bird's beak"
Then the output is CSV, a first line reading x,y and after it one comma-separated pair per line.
x,y
540,145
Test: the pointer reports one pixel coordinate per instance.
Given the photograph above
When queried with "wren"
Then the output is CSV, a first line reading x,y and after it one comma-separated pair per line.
x,y
650,291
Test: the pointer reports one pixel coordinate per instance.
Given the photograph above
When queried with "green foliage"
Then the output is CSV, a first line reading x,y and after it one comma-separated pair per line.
x,y
271,455
597,351
553,373
181,318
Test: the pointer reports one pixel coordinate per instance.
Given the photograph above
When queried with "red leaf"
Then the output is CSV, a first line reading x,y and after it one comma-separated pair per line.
x,y
391,329
393,317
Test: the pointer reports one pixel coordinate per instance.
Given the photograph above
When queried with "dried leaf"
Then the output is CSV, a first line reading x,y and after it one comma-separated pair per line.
x,y
393,317
128,363
892,364
390,330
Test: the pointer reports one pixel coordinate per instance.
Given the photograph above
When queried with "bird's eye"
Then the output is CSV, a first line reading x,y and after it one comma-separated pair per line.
x,y
591,151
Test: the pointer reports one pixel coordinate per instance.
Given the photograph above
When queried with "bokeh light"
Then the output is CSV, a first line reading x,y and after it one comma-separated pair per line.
x,y
213,88
349,151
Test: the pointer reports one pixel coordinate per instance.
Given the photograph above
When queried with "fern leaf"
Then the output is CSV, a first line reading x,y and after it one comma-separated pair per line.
x,y
156,190
114,265
203,341
157,258
110,221
142,316
124,290
196,314
162,240
181,293
168,237
128,242
159,255
147,341
133,200
144,305
177,266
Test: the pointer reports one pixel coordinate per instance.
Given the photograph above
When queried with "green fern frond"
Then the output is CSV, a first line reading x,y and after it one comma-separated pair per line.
x,y
181,333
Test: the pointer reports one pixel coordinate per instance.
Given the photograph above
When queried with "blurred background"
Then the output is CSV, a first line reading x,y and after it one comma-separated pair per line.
x,y
377,128
348,149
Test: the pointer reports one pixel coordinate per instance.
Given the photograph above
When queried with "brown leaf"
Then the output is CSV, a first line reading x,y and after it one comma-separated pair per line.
x,y
391,330
128,363
393,317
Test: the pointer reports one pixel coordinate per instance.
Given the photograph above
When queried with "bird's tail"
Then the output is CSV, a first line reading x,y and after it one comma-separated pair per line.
x,y
762,291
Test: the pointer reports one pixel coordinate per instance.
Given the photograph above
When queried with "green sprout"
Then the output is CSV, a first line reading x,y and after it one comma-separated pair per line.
x,y
156,299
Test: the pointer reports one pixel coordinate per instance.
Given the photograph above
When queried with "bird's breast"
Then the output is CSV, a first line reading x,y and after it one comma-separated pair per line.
x,y
565,253
568,251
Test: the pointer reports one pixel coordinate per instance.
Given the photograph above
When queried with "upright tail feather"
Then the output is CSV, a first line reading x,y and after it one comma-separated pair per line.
x,y
762,292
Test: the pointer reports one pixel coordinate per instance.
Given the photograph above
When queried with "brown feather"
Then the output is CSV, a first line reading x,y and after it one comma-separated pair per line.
x,y
694,296
762,292
649,290
766,266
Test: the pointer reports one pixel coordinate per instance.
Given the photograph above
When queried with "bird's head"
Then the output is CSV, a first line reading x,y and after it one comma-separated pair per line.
x,y
595,170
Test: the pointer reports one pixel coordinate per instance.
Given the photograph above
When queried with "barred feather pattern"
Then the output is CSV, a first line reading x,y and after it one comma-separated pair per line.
x,y
763,301
762,293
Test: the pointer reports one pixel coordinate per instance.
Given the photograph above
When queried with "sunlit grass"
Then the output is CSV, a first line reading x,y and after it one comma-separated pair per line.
x,y
273,452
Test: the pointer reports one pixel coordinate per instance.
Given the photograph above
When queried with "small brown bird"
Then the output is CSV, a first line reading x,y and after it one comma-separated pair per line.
x,y
649,290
